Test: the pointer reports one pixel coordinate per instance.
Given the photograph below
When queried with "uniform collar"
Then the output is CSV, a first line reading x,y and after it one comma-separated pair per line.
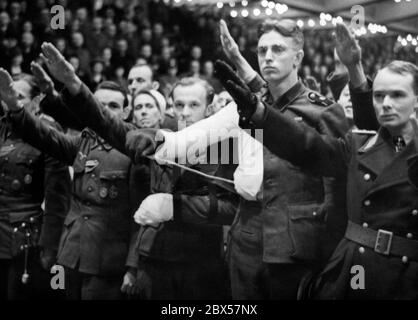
x,y
288,97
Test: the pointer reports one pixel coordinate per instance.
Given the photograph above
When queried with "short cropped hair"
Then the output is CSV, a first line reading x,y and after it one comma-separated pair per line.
x,y
190,81
138,65
286,27
404,68
110,85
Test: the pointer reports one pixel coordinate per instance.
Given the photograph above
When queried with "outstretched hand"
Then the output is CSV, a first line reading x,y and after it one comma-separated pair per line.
x,y
347,47
44,80
8,94
60,68
229,45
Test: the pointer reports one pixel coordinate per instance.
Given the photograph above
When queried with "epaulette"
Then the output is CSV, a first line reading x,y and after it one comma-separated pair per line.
x,y
361,131
319,99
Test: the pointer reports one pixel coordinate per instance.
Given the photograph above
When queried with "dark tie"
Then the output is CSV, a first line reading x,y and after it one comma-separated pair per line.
x,y
399,143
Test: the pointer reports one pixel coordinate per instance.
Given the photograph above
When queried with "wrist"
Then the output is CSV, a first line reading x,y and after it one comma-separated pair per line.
x,y
74,85
15,107
356,74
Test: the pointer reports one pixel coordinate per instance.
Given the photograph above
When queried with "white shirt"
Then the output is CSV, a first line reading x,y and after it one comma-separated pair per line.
x,y
190,144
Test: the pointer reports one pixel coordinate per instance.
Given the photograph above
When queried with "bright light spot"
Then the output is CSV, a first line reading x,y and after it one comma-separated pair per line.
x,y
334,21
220,5
176,1
232,4
399,38
404,42
264,3
234,13
339,19
416,49
271,5
322,16
244,13
328,17
409,38
311,23
244,3
256,12
397,1
269,12
322,22
300,23
384,29
414,42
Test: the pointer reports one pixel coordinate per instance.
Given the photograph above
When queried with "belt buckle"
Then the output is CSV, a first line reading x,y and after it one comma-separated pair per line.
x,y
383,242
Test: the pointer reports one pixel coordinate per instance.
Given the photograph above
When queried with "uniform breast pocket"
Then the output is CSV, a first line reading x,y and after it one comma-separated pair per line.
x,y
114,185
26,163
306,226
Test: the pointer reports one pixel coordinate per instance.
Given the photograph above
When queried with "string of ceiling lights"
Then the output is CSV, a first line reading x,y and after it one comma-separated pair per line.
x,y
266,8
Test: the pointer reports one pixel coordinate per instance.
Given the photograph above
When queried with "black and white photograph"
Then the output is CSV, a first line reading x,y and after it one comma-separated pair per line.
x,y
211,155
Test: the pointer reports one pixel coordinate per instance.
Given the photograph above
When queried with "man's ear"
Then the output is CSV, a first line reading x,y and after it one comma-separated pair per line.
x,y
298,58
209,110
155,85
127,114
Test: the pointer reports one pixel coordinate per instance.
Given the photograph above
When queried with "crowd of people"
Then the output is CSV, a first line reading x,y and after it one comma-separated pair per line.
x,y
110,167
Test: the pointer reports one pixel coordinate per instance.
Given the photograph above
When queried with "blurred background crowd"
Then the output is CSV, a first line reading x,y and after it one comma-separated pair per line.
x,y
104,39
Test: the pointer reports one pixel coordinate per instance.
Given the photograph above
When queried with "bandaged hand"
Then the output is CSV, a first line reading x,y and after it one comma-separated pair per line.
x,y
155,209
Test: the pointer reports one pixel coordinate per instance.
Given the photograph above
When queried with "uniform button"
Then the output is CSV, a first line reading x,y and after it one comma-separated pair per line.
x,y
405,259
365,225
6,159
367,202
93,175
86,218
414,212
244,118
361,250
89,189
100,148
367,177
409,235
314,213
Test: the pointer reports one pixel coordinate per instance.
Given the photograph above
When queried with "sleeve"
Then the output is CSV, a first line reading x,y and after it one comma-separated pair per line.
x,y
363,110
217,207
337,82
256,83
304,146
89,110
218,127
332,121
139,189
57,183
54,106
44,137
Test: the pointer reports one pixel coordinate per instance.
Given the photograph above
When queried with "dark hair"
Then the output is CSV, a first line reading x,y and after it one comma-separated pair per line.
x,y
286,27
404,68
110,85
190,81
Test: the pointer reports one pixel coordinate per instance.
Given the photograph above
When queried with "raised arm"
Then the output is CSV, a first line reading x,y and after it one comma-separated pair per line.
x,y
78,98
52,104
349,53
34,131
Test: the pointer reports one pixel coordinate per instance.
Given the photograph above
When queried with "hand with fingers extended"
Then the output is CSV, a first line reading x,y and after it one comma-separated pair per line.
x,y
347,47
231,50
8,94
60,68
246,100
141,143
44,80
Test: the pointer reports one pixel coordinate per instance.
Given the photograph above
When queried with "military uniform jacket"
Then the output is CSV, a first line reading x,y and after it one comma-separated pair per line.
x,y
107,189
286,223
29,177
379,196
171,241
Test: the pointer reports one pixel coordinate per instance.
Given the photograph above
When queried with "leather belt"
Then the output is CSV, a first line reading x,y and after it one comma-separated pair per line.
x,y
382,241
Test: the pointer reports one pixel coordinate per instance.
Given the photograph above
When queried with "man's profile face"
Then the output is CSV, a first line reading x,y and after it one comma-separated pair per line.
x,y
189,103
139,78
112,100
345,101
276,56
394,99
